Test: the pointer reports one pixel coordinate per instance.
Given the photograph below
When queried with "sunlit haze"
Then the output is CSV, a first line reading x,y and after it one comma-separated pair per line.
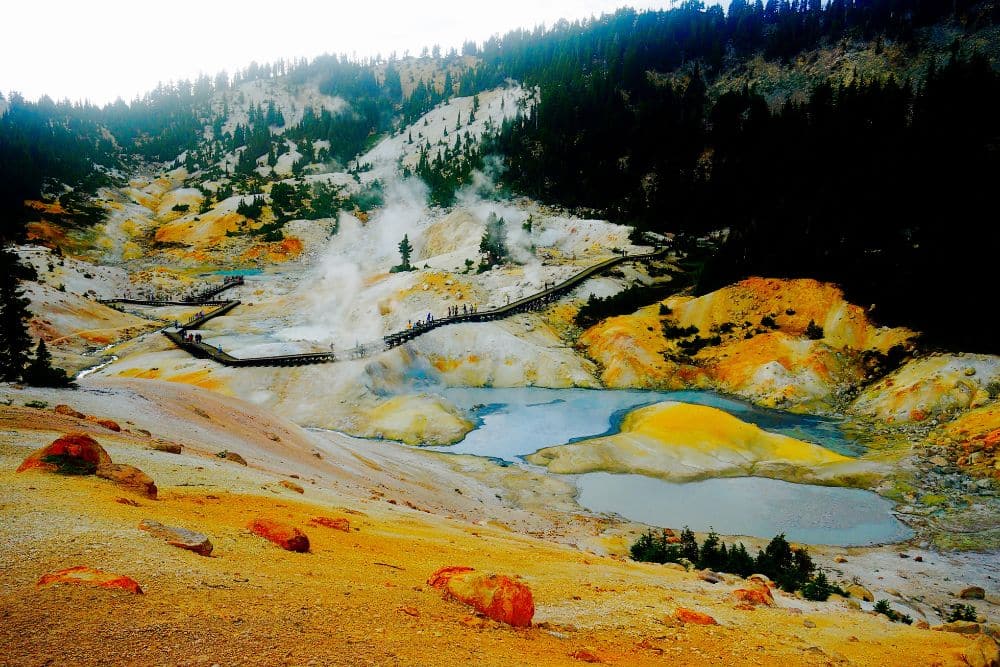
x,y
102,51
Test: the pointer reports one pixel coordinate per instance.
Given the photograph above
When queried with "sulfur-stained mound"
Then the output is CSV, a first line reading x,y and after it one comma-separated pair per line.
x,y
683,442
417,420
496,595
71,454
88,576
773,341
287,537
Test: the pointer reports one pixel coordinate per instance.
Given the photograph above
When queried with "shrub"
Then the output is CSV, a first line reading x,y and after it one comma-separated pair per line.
x,y
671,331
962,612
769,322
882,607
665,310
993,389
180,208
814,331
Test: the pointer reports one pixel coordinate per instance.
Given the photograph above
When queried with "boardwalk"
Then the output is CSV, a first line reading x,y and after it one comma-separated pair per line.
x,y
203,350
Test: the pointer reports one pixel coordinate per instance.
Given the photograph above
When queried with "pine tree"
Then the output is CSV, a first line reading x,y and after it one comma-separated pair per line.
x,y
405,250
40,373
14,338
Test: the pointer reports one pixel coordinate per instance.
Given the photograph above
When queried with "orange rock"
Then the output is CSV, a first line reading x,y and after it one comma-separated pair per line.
x,y
91,577
695,617
755,596
287,537
992,438
292,486
129,477
64,409
917,415
586,655
74,453
409,611
336,524
109,424
497,596
673,539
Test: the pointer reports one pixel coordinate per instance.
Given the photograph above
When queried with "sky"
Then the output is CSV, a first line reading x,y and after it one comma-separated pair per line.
x,y
100,50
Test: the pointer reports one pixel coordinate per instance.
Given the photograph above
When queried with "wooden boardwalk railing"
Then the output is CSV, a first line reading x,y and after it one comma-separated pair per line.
x,y
203,350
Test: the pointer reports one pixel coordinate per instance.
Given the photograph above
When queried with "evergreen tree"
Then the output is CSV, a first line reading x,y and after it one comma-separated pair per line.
x,y
493,245
405,249
14,338
40,373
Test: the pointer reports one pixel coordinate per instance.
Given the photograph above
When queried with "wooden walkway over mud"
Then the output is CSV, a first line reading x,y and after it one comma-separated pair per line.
x,y
179,336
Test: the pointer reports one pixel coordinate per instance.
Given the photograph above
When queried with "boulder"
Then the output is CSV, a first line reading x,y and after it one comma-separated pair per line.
x,y
109,424
761,579
839,559
64,409
336,524
178,537
72,454
234,457
755,596
972,593
292,486
585,655
694,617
709,576
496,595
90,577
983,652
129,477
168,447
287,537
860,592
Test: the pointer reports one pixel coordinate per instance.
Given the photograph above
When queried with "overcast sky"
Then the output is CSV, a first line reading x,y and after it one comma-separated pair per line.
x,y
104,49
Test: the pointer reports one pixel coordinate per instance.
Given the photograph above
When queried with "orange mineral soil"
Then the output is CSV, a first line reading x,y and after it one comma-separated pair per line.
x,y
361,593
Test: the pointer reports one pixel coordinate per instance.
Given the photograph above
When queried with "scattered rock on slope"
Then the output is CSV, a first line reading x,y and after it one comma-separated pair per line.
x,y
287,537
497,596
90,577
129,477
178,537
71,454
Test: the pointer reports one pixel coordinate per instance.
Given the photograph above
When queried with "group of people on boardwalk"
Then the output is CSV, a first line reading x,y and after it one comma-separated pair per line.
x,y
192,337
453,311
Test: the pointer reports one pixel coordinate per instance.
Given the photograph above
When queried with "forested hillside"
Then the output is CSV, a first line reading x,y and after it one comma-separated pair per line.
x,y
872,164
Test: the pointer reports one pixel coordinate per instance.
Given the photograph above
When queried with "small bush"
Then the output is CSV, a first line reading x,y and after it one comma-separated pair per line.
x,y
769,322
671,331
180,208
993,389
665,310
882,607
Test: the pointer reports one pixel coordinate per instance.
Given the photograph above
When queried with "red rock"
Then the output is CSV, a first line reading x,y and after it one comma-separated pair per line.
x,y
129,477
126,501
992,438
73,453
756,595
109,424
336,524
497,596
586,655
91,577
673,539
917,415
287,537
63,409
409,611
694,617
